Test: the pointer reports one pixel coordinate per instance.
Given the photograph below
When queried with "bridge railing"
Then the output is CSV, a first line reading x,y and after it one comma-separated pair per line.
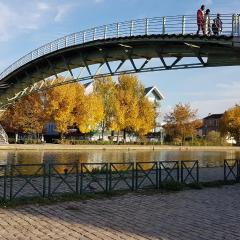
x,y
159,25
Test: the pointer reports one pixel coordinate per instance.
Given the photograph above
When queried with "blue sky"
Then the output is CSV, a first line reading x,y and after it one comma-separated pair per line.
x,y
26,25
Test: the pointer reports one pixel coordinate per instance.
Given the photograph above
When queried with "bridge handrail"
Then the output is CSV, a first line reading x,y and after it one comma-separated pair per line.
x,y
185,24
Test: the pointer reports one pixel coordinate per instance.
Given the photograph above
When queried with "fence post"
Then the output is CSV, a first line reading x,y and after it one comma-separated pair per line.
x,y
197,171
131,28
146,26
110,177
77,177
136,176
182,166
105,32
74,39
84,37
183,25
44,179
5,183
65,41
81,178
11,181
238,170
233,24
107,176
178,172
159,175
94,34
164,25
225,178
133,174
49,179
118,29
238,29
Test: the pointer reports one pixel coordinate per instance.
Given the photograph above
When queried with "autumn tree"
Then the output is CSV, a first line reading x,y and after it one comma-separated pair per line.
x,y
27,115
67,105
133,111
230,123
181,122
88,111
60,103
146,117
105,89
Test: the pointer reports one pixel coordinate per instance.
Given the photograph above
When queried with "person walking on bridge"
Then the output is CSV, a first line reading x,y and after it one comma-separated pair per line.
x,y
207,23
217,25
200,19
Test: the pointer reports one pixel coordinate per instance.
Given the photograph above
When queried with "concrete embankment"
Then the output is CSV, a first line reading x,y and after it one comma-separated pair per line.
x,y
64,147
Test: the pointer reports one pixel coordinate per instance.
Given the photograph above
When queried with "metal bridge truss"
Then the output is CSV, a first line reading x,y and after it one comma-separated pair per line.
x,y
136,46
108,68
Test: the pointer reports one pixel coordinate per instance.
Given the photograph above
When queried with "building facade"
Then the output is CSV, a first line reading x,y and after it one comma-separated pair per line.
x,y
211,123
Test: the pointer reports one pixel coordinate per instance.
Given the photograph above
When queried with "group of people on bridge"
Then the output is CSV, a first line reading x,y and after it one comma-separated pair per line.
x,y
206,25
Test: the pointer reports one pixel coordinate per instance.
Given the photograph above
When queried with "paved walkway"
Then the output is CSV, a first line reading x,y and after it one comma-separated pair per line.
x,y
189,215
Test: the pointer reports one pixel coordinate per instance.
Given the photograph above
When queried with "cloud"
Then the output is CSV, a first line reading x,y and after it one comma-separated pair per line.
x,y
33,15
62,11
42,6
6,21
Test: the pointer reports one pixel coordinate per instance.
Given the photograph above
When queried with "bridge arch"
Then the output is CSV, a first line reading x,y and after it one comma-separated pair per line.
x,y
143,45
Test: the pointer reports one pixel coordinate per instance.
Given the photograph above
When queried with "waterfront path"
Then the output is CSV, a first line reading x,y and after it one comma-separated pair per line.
x,y
57,147
211,213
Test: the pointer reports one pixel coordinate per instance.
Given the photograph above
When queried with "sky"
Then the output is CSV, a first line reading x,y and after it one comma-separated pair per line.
x,y
26,25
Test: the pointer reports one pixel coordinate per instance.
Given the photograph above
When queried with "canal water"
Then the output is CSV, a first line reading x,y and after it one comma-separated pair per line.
x,y
205,158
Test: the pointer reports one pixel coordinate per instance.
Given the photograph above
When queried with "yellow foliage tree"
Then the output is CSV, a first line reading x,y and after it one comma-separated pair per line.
x,y
60,103
133,111
147,117
27,115
230,123
105,88
88,112
68,105
181,122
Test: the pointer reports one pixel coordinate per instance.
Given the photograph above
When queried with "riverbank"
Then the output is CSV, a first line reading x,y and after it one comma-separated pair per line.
x,y
64,147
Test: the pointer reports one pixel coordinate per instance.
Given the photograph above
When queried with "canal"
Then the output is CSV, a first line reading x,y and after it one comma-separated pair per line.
x,y
206,158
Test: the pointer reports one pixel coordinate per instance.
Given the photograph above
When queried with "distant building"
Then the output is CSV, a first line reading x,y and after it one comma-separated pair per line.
x,y
155,96
211,123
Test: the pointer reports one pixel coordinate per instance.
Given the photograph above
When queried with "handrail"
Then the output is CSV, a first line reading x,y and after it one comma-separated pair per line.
x,y
185,24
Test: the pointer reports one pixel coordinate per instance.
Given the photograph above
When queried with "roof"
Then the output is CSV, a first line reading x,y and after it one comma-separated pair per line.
x,y
214,116
87,84
154,89
147,90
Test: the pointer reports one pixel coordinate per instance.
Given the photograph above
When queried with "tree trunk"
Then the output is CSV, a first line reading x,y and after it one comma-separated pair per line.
x,y
124,135
103,129
118,137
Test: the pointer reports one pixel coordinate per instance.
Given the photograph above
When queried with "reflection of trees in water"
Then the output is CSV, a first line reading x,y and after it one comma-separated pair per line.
x,y
28,157
206,158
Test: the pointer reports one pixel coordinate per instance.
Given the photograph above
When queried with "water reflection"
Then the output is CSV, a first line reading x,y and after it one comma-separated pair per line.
x,y
206,158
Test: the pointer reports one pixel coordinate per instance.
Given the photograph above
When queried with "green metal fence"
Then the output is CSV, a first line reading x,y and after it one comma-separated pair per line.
x,y
48,180
232,170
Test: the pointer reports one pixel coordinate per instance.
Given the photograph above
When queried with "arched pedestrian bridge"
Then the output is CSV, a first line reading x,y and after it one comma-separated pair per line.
x,y
143,45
